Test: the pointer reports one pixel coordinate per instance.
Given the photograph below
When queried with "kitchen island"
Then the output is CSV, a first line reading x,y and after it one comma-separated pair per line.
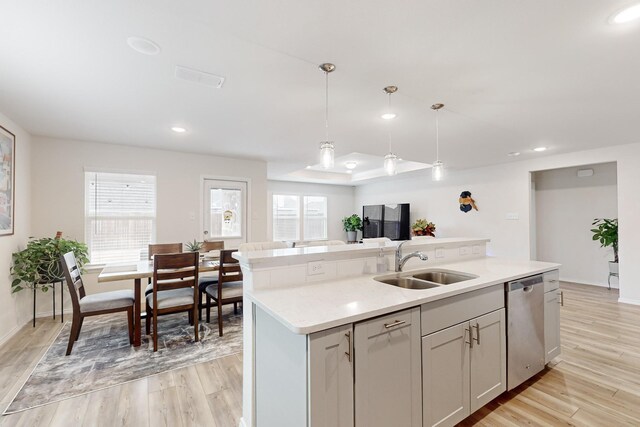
x,y
326,343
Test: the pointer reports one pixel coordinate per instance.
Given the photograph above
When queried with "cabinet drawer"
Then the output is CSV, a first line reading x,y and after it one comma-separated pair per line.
x,y
551,280
390,322
441,314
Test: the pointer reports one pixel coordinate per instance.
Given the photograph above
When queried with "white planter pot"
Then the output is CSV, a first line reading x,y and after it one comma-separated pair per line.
x,y
351,236
613,267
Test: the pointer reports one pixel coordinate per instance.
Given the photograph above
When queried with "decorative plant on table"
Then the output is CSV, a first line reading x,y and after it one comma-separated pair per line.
x,y
422,227
194,246
351,225
38,265
606,232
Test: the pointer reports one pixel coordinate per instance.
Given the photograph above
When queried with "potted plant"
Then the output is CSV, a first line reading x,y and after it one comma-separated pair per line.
x,y
38,265
422,227
194,246
351,225
606,232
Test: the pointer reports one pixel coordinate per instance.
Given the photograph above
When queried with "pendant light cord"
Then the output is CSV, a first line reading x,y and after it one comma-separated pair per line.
x,y
389,124
437,137
326,107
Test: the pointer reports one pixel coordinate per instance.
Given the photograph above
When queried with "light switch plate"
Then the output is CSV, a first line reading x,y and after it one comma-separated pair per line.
x,y
512,216
314,268
465,250
439,252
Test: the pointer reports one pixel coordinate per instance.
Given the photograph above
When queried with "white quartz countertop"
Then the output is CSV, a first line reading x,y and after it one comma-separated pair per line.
x,y
312,307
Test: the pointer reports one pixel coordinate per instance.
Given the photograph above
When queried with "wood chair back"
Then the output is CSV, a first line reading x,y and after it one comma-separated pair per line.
x,y
229,269
74,279
175,271
164,248
209,246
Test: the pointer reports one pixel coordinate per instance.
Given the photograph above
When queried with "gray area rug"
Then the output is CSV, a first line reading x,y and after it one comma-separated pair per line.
x,y
102,356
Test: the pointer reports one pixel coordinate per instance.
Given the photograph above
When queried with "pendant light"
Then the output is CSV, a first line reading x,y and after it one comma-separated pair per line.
x,y
327,149
390,160
437,169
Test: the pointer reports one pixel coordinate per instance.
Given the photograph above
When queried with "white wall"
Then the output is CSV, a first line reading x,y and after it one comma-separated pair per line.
x,y
565,208
339,202
15,310
503,189
58,190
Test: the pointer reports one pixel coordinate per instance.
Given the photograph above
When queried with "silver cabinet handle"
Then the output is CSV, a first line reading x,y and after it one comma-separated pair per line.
x,y
470,332
348,353
477,326
394,324
561,302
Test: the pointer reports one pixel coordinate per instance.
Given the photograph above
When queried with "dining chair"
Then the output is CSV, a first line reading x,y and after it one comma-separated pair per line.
x,y
228,290
326,243
174,289
158,249
92,305
205,281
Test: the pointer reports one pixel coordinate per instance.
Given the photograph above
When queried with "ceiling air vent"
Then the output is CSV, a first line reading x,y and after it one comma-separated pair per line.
x,y
200,77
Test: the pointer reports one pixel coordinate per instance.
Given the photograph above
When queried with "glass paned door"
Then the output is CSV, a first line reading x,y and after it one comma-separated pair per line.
x,y
225,211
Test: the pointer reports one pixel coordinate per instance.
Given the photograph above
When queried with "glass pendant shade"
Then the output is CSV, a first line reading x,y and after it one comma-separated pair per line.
x,y
327,151
437,171
390,163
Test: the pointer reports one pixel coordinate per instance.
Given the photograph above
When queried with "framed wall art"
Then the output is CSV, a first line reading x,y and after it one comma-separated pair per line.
x,y
7,181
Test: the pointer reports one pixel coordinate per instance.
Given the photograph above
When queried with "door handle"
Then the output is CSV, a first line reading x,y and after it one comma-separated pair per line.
x,y
206,232
394,324
477,326
470,332
348,353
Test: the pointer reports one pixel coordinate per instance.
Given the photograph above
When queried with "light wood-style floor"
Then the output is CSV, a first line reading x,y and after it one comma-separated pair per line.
x,y
596,381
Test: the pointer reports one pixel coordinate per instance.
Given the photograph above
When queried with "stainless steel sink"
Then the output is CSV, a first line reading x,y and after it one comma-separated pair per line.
x,y
407,283
443,277
424,279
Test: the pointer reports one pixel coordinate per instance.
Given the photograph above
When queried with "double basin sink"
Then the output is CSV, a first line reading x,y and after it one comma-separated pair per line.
x,y
424,279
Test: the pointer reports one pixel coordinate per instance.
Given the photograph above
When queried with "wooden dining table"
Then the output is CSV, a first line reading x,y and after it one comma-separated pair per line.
x,y
136,272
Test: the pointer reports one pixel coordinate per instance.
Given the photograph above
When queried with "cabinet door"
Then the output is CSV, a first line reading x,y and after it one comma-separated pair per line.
x,y
488,358
551,325
331,378
387,371
445,372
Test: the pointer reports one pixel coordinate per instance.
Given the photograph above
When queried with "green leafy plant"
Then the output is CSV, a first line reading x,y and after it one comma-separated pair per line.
x,y
606,232
422,227
38,265
194,246
352,223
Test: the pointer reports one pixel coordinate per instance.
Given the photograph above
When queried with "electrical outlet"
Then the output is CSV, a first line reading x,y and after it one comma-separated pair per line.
x,y
476,250
439,252
464,250
512,216
314,268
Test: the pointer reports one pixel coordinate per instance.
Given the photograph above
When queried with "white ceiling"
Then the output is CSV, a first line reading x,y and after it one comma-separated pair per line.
x,y
513,75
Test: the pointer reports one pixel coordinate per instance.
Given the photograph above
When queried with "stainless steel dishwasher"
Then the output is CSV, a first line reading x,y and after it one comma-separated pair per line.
x,y
525,329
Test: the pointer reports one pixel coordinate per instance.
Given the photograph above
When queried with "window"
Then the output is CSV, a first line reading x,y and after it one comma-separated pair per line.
x,y
299,217
315,218
120,216
286,217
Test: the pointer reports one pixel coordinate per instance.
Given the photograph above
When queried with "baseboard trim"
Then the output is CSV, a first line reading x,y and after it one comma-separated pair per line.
x,y
629,301
10,334
584,282
242,423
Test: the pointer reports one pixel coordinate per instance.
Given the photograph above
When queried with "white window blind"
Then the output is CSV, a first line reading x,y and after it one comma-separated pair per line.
x,y
315,218
286,217
120,216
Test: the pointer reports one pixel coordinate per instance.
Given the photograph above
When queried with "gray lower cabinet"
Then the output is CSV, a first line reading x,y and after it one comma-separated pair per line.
x,y
463,368
331,378
387,371
551,325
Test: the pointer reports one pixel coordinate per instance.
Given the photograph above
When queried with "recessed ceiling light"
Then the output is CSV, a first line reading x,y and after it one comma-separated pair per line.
x,y
308,167
349,171
144,46
178,129
627,15
540,149
513,154
351,164
389,116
